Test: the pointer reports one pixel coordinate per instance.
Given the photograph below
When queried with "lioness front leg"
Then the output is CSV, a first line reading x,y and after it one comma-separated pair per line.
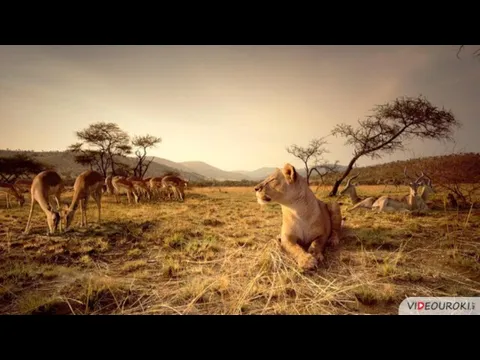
x,y
317,248
304,260
336,221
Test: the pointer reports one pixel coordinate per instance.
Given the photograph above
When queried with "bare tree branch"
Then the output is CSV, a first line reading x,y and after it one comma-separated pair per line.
x,y
391,125
143,143
315,150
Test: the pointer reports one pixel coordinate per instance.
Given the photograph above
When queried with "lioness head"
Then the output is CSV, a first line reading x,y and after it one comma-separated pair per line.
x,y
280,187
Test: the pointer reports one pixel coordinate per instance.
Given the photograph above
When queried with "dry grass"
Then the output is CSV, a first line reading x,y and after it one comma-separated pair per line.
x,y
215,254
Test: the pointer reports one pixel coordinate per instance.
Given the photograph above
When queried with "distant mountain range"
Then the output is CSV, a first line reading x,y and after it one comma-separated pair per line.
x,y
64,162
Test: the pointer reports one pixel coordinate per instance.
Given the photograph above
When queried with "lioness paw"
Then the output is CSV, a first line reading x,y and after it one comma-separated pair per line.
x,y
334,239
308,262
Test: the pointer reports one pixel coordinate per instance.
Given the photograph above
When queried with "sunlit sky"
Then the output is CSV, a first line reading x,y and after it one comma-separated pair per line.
x,y
234,107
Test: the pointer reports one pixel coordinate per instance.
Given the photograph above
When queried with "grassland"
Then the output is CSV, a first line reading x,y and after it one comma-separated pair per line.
x,y
216,254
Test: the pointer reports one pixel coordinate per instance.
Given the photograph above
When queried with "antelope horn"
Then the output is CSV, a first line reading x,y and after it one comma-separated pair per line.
x,y
419,178
429,180
353,177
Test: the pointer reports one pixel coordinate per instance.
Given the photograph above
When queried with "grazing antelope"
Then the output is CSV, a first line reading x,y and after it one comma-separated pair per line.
x,y
89,183
156,186
177,183
356,200
427,188
23,185
406,203
45,184
142,188
10,189
122,185
141,185
109,186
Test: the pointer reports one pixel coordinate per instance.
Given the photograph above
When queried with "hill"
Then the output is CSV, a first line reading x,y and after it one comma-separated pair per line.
x,y
447,171
64,163
212,172
263,172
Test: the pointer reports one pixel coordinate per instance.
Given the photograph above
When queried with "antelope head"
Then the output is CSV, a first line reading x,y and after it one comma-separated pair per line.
x,y
348,188
412,183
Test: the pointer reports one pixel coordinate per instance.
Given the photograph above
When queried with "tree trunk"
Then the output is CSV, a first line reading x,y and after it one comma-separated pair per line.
x,y
345,174
307,173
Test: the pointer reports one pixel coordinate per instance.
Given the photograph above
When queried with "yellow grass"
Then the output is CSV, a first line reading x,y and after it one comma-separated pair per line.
x,y
215,254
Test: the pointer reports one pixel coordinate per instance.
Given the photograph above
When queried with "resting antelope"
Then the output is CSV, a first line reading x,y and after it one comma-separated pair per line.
x,y
427,188
89,183
406,203
10,189
177,183
121,186
45,184
356,201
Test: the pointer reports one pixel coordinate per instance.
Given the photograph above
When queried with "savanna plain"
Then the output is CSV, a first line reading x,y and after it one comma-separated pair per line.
x,y
217,253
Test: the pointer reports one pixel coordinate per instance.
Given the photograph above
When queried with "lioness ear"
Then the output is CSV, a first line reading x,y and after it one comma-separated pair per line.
x,y
290,173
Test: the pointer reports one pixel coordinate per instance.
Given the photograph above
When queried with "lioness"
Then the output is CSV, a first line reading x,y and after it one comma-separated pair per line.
x,y
308,224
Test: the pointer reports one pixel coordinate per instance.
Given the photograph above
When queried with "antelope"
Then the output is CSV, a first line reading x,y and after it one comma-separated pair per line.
x,y
427,188
357,201
10,189
109,189
156,186
142,188
177,183
45,184
23,185
122,185
406,203
89,183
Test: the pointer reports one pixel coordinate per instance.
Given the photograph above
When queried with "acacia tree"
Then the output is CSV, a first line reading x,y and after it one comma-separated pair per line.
x,y
19,165
390,125
142,143
314,151
100,145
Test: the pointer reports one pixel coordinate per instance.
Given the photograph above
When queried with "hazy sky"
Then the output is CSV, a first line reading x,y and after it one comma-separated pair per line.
x,y
234,107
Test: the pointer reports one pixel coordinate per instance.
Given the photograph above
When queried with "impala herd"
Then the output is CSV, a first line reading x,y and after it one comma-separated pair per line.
x,y
93,184
88,184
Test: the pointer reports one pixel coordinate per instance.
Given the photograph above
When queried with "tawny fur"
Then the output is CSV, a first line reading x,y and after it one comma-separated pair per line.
x,y
177,184
122,185
350,189
414,201
308,224
45,184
